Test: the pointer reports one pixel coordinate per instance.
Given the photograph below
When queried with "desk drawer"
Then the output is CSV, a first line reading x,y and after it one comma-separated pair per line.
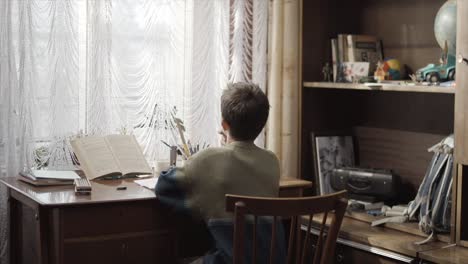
x,y
347,251
345,254
141,248
113,218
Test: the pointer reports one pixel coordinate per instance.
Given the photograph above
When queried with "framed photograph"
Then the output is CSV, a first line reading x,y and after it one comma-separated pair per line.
x,y
351,72
330,151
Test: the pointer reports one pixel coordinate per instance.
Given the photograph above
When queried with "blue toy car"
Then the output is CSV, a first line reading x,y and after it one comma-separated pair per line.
x,y
437,73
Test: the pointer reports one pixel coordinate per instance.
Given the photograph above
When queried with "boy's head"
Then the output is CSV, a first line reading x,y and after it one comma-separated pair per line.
x,y
244,108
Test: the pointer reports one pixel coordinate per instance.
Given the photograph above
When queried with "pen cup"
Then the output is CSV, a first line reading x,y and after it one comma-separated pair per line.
x,y
173,156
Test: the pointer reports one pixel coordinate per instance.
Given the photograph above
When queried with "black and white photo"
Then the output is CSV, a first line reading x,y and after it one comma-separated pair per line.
x,y
330,151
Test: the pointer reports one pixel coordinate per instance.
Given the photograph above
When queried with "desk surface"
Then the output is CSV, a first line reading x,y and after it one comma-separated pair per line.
x,y
380,237
294,183
451,254
103,191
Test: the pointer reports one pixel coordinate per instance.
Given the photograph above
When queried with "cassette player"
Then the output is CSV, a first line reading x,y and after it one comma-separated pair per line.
x,y
376,183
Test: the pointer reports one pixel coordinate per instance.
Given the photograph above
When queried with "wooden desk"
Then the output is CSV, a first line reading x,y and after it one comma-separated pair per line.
x,y
53,225
290,187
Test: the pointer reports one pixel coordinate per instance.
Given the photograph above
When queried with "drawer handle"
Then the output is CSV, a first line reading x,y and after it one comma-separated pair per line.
x,y
124,249
339,258
462,59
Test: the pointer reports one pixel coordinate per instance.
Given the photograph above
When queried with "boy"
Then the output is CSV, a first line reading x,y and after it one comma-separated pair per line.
x,y
239,167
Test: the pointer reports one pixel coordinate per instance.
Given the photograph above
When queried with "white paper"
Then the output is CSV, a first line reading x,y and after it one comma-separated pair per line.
x,y
148,183
56,175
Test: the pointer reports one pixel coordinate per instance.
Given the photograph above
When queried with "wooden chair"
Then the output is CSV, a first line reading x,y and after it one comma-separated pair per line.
x,y
292,208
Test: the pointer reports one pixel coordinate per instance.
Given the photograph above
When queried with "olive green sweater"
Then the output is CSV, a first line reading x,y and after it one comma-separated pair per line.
x,y
201,184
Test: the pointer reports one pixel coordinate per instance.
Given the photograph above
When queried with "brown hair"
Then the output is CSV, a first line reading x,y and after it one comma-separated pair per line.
x,y
245,108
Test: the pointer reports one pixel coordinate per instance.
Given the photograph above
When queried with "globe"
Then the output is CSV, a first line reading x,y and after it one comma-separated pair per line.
x,y
445,26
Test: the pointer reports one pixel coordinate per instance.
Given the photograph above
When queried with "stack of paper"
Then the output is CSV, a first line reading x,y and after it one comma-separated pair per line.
x,y
48,177
148,183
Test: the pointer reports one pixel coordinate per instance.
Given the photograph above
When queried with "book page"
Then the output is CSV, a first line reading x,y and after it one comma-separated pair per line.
x,y
95,157
128,154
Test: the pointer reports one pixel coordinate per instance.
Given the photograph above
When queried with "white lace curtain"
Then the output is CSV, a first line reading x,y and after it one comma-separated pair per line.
x,y
118,66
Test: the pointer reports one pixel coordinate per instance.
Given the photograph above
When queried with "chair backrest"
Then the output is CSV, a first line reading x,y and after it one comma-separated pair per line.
x,y
293,208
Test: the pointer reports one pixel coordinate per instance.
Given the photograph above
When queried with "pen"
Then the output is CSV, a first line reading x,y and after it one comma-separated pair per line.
x,y
165,143
181,130
181,149
190,147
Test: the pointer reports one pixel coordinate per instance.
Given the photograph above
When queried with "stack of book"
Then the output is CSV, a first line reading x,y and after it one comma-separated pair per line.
x,y
48,177
350,49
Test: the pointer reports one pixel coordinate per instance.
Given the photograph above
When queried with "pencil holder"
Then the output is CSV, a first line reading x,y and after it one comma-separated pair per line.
x,y
173,156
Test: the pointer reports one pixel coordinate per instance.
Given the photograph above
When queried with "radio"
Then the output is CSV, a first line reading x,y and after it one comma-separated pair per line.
x,y
376,183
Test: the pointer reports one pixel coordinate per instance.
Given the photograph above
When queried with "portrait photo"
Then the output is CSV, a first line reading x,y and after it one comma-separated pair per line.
x,y
330,152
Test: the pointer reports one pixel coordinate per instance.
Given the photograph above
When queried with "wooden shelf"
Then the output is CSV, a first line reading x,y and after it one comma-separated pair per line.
x,y
409,227
451,254
379,237
384,87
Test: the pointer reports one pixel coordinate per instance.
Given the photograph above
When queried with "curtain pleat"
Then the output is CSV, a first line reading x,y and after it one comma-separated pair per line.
x,y
70,68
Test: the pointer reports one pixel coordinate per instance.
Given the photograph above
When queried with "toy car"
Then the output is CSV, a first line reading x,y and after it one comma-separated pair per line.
x,y
436,73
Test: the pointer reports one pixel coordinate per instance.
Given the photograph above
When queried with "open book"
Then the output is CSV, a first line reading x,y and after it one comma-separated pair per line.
x,y
110,156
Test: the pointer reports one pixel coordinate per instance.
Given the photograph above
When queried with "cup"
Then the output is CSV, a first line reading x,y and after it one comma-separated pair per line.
x,y
160,166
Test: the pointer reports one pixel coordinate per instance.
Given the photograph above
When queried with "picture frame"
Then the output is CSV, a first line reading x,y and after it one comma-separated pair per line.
x,y
352,72
331,150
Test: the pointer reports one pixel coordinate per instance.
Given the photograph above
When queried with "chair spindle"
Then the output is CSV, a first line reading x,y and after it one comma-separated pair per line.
x,y
318,249
292,234
306,239
273,240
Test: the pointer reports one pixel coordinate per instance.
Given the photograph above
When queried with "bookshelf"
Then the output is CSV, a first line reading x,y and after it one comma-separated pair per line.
x,y
383,87
393,124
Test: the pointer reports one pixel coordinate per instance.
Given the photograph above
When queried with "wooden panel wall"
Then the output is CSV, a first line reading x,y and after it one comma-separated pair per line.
x,y
392,120
323,20
405,26
325,110
403,152
416,112
461,104
461,128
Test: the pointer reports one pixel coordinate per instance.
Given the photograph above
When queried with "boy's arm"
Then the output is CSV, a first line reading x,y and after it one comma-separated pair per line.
x,y
170,189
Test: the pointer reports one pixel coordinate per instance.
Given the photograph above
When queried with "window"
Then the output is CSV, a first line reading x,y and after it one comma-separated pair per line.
x,y
124,66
